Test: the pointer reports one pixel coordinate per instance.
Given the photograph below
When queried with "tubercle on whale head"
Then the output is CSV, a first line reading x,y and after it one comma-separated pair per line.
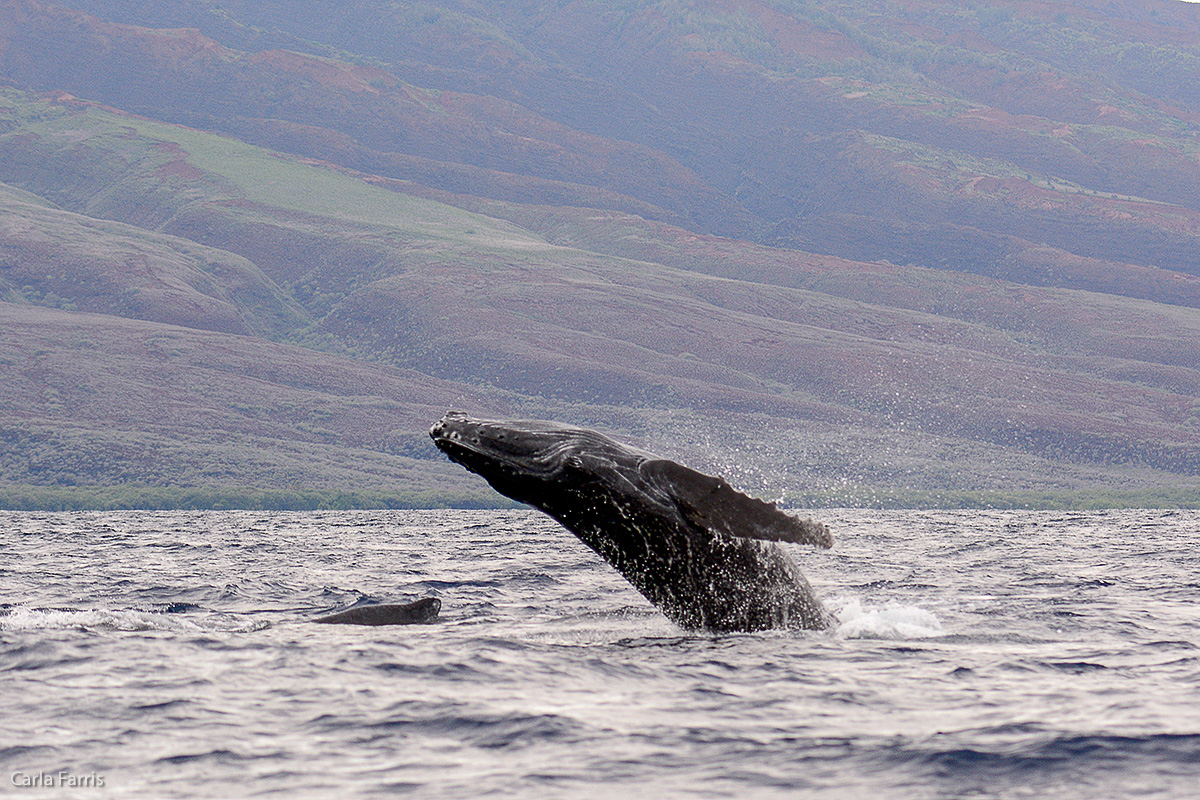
x,y
447,429
453,435
449,424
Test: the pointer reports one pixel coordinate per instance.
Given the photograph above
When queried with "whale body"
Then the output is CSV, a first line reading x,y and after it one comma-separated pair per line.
x,y
705,554
424,610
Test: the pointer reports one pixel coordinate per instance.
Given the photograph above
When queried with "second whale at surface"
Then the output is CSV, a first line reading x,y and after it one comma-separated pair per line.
x,y
702,552
419,611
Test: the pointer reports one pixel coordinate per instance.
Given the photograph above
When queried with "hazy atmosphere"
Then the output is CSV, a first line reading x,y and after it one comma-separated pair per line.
x,y
843,253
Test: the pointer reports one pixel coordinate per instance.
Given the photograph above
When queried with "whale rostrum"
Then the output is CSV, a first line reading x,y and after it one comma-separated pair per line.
x,y
705,554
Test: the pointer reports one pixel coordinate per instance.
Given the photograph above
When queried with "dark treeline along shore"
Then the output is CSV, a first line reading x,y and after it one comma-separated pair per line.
x,y
841,254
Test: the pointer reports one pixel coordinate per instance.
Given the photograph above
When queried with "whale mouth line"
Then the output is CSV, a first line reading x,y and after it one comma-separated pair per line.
x,y
454,443
457,447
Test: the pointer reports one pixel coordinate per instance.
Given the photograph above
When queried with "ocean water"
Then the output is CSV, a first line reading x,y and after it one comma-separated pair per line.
x,y
979,654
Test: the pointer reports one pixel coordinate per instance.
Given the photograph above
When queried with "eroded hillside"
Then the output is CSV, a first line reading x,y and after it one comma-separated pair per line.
x,y
921,254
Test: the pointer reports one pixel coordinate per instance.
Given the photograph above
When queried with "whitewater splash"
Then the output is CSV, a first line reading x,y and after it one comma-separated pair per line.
x,y
890,621
28,619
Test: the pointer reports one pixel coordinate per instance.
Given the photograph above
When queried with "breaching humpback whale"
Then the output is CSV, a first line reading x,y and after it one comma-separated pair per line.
x,y
702,552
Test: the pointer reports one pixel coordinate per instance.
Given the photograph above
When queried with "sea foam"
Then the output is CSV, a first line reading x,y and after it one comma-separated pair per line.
x,y
25,619
890,621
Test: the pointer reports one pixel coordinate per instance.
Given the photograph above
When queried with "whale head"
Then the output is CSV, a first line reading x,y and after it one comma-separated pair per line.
x,y
521,458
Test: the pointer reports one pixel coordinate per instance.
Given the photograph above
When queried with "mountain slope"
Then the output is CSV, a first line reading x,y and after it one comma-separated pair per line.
x,y
424,235
92,265
97,400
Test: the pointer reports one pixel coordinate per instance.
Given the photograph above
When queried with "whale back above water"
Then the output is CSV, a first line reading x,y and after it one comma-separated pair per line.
x,y
419,611
701,551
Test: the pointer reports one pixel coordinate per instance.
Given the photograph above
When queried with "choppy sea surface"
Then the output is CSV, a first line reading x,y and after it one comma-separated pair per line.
x,y
979,654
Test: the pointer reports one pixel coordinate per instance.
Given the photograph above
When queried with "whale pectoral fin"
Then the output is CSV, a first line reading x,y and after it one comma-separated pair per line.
x,y
710,502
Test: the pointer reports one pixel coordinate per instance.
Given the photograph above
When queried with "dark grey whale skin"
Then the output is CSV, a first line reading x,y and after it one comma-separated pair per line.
x,y
702,552
424,610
